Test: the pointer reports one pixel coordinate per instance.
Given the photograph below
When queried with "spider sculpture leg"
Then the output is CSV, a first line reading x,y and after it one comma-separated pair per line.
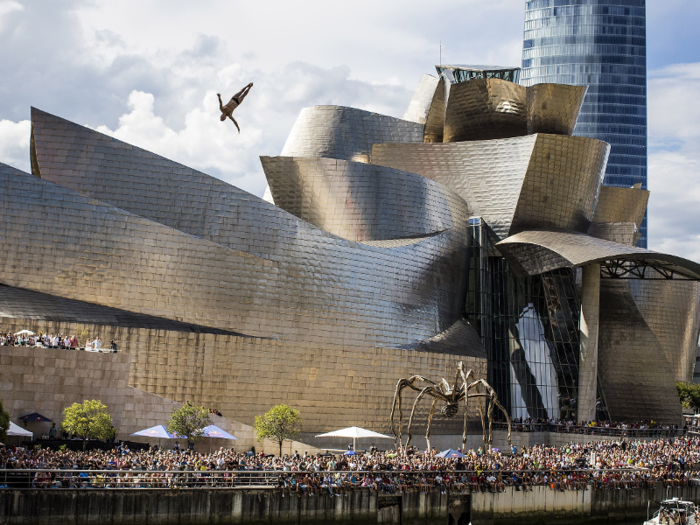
x,y
466,415
400,385
430,422
426,390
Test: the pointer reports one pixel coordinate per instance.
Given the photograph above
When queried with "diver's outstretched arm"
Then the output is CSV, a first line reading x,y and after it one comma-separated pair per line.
x,y
221,104
236,123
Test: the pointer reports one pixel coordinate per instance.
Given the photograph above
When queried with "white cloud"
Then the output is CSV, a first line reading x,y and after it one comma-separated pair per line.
x,y
14,143
674,160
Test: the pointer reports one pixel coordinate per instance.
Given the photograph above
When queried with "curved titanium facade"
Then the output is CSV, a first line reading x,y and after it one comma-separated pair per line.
x,y
535,181
600,44
208,282
422,99
637,380
362,202
553,108
345,133
485,109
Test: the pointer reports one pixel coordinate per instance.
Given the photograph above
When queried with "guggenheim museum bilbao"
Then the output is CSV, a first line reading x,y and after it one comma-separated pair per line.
x,y
476,228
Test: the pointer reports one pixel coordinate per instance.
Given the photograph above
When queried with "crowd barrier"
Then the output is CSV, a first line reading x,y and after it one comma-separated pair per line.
x,y
337,481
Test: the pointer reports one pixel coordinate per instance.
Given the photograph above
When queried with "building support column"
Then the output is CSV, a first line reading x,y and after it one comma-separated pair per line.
x,y
588,360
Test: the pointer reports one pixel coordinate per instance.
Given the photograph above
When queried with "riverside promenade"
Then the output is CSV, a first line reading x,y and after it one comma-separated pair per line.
x,y
247,505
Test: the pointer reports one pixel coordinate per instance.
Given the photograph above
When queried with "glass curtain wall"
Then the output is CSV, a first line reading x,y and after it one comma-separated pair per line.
x,y
530,329
600,44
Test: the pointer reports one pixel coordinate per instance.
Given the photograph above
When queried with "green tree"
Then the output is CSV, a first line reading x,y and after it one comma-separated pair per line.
x,y
190,421
282,422
4,423
689,394
88,420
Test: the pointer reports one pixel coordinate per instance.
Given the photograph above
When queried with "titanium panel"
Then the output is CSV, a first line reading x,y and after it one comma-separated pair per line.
x,y
561,184
484,109
638,381
362,202
323,290
542,181
620,232
553,108
536,252
435,123
488,175
345,133
419,107
672,310
621,205
42,308
459,339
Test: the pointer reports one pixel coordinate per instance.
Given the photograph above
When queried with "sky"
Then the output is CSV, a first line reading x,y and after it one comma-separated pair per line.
x,y
148,71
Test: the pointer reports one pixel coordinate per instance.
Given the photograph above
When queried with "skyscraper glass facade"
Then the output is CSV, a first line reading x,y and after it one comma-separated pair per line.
x,y
601,44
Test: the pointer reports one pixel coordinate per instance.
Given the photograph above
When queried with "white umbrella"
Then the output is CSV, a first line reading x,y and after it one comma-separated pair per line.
x,y
212,431
25,332
355,433
16,430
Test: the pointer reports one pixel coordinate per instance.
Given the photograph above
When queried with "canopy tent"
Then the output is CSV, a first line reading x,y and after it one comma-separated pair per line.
x,y
16,430
25,332
355,433
212,431
158,431
450,453
35,417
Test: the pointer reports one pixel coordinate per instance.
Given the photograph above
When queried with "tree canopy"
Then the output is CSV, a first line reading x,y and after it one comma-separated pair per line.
x,y
689,394
4,423
281,422
189,421
88,420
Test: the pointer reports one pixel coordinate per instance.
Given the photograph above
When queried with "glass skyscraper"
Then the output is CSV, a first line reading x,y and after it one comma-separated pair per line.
x,y
601,44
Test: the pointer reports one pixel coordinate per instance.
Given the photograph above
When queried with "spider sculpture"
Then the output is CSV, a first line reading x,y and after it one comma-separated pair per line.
x,y
451,395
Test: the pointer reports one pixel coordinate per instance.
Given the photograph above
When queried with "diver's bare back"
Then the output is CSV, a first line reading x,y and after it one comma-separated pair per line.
x,y
236,100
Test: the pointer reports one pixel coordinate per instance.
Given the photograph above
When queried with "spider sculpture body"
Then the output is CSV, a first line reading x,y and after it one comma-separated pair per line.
x,y
465,386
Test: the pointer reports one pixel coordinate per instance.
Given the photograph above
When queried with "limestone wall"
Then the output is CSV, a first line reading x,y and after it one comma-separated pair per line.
x,y
243,377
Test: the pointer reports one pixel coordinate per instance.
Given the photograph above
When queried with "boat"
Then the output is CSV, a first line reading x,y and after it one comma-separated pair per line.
x,y
674,512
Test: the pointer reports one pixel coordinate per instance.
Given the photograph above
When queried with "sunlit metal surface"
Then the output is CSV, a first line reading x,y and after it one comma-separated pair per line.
x,y
636,376
422,99
345,133
362,202
621,205
553,108
536,252
535,181
485,109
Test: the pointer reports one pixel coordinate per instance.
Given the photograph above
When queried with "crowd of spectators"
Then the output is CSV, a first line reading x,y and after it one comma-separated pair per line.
x,y
577,466
45,340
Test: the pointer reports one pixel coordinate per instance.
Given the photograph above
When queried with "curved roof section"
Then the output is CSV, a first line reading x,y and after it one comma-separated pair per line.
x,y
362,202
345,133
536,252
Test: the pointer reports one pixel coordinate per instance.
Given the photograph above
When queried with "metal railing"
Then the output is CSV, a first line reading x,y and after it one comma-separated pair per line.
x,y
333,481
592,431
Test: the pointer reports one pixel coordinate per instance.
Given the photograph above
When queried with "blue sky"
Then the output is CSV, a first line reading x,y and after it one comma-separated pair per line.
x,y
148,72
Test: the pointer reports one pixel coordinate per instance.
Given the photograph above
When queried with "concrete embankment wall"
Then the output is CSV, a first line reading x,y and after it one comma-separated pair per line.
x,y
234,506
